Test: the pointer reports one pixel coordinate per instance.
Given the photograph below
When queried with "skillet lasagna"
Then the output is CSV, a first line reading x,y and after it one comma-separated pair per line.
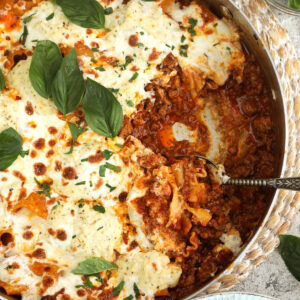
x,y
98,99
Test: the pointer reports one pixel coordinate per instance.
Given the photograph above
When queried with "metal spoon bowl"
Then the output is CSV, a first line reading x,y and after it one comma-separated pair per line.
x,y
290,183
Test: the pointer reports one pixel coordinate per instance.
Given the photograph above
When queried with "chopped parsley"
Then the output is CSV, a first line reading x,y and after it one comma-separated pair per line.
x,y
111,188
183,50
91,183
23,153
114,90
28,19
50,17
84,159
86,284
119,145
183,38
142,32
93,60
193,23
95,49
80,183
74,236
116,291
134,76
172,47
56,205
100,68
112,167
130,297
136,290
214,45
24,36
44,186
215,25
8,267
140,45
99,208
107,154
102,170
99,228
229,49
130,103
128,60
80,203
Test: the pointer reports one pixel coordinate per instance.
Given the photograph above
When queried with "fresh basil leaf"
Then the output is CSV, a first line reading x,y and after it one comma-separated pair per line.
x,y
99,208
75,132
107,154
68,84
103,112
87,13
294,4
116,291
45,63
2,81
10,147
93,265
289,250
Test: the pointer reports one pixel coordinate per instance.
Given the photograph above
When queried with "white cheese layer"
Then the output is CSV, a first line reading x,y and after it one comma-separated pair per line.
x,y
151,271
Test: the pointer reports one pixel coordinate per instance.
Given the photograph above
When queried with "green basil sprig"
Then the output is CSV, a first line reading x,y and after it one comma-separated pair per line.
x,y
68,85
2,81
10,147
45,62
93,265
87,13
103,112
290,252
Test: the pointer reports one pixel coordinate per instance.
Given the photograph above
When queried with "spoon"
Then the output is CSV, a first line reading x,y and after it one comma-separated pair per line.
x,y
290,183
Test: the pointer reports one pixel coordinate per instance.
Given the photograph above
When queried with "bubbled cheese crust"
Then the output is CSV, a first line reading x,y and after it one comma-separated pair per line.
x,y
73,230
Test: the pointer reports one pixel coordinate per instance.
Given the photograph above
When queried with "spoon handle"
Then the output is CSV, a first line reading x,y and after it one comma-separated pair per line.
x,y
292,183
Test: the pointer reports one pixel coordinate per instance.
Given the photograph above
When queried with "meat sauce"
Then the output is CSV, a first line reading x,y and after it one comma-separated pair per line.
x,y
244,111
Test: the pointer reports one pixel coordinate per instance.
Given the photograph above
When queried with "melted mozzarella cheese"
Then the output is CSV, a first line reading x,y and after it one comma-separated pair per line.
x,y
232,241
215,48
151,271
